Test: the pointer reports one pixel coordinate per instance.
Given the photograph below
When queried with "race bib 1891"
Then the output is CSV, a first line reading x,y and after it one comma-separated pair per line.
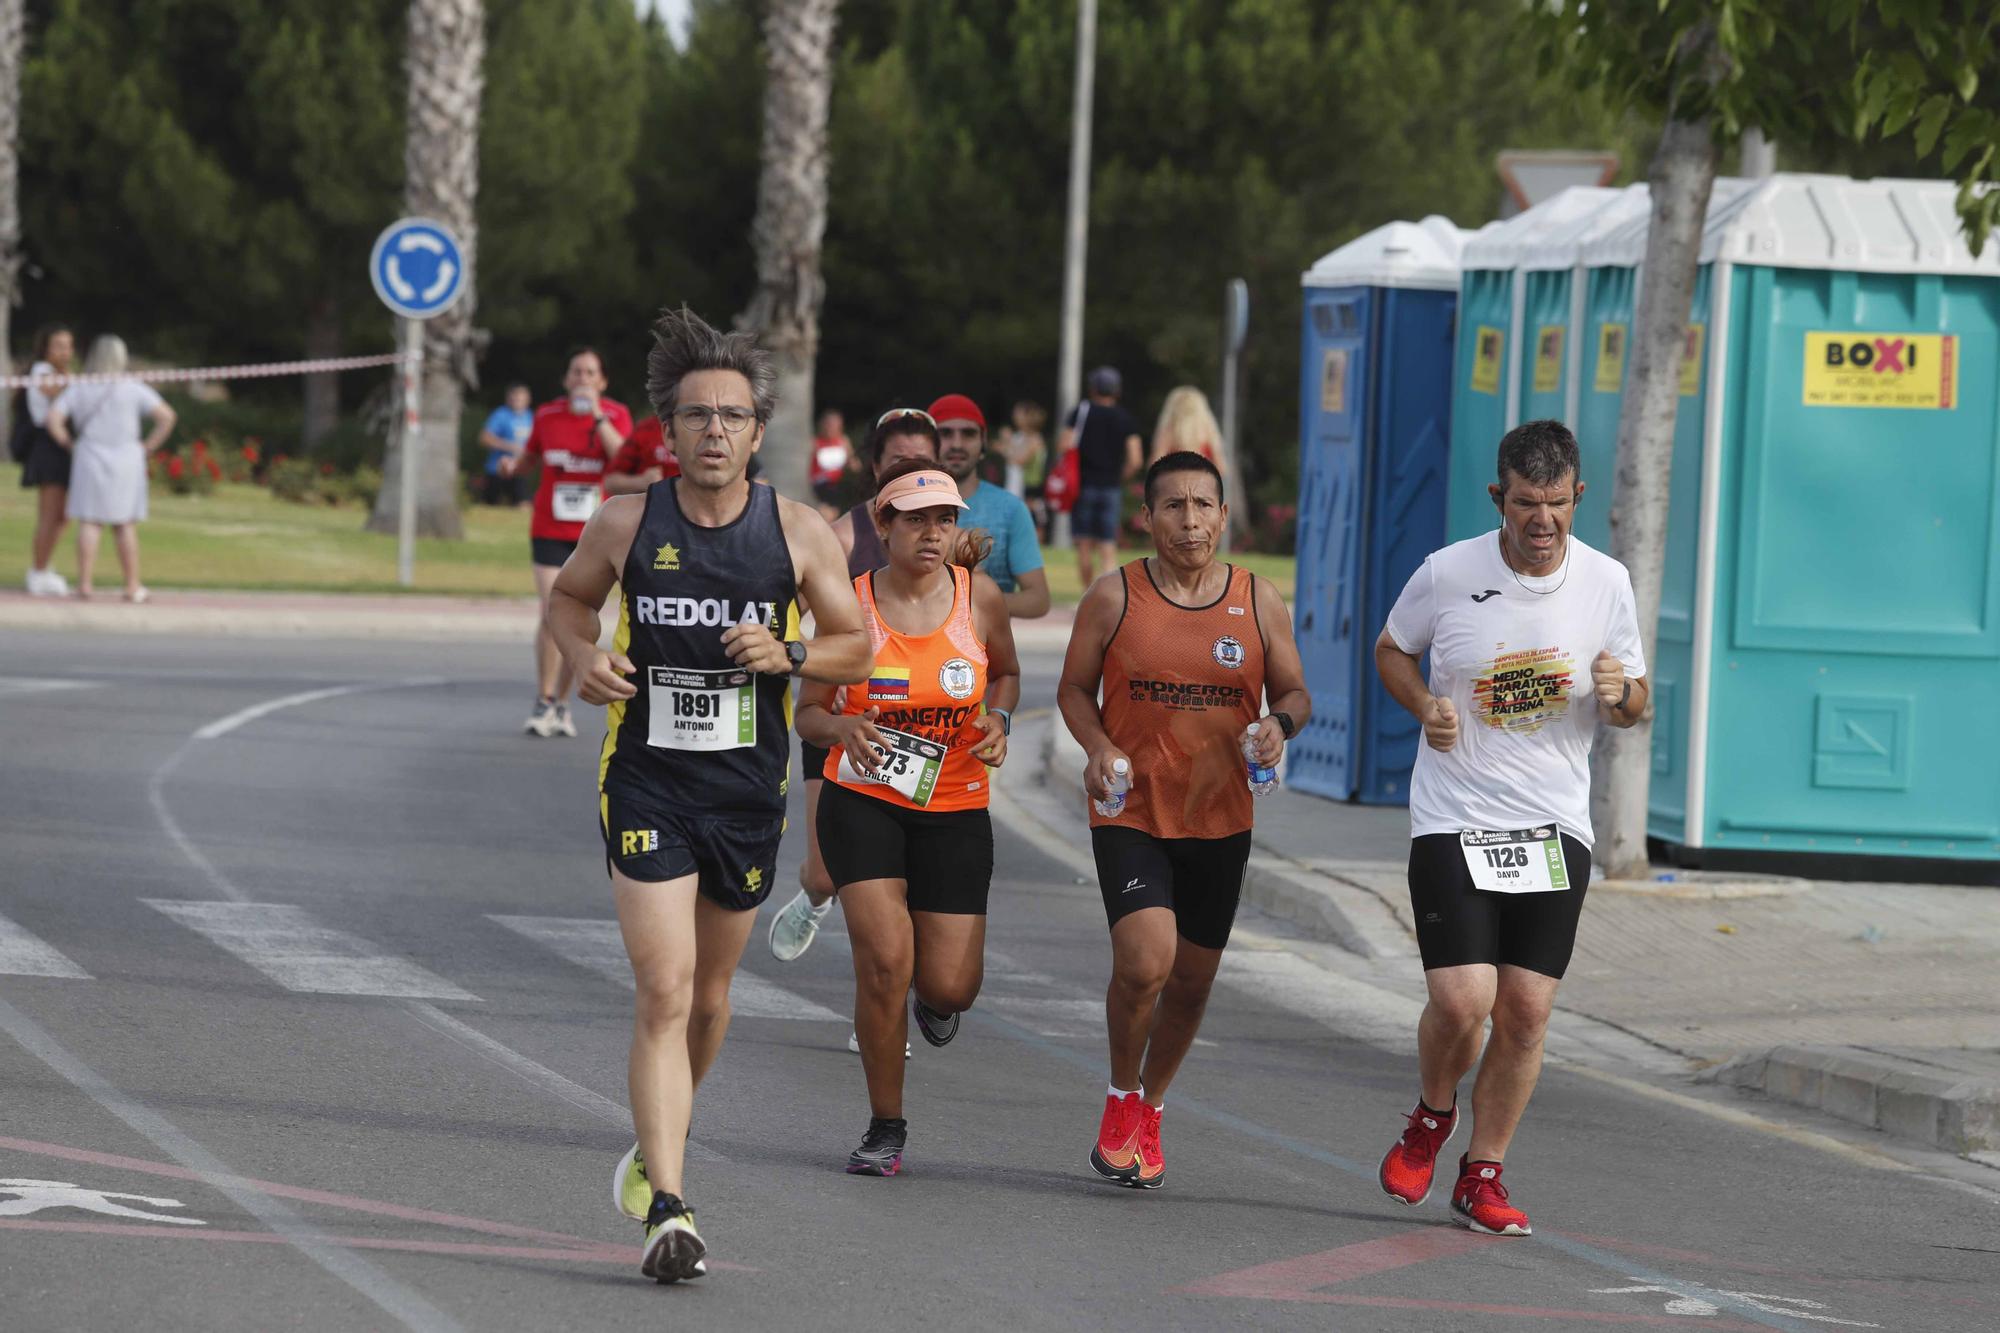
x,y
909,766
701,710
1521,861
574,501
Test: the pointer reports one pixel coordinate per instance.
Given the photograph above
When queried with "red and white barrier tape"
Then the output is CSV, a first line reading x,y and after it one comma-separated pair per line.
x,y
209,373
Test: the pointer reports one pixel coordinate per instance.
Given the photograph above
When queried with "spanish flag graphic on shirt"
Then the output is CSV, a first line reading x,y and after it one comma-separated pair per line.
x,y
889,683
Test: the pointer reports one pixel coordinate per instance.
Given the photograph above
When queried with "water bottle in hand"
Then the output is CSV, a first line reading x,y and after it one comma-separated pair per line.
x,y
1113,804
1263,778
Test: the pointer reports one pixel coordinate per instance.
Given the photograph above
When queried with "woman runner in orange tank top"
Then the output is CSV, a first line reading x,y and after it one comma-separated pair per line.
x,y
903,827
1183,651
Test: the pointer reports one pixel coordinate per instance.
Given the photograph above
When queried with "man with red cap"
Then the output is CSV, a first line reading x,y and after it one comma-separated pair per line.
x,y
1016,561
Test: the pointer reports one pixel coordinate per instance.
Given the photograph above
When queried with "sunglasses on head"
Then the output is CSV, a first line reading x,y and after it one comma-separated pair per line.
x,y
898,413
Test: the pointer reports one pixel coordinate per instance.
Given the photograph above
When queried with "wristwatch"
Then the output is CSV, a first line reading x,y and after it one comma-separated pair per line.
x,y
1285,724
795,650
1006,717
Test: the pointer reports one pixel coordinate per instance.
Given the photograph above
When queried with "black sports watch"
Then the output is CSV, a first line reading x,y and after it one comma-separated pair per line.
x,y
795,650
1285,724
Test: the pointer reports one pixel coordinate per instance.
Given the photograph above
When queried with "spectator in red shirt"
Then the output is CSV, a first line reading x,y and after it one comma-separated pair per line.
x,y
645,458
832,459
573,438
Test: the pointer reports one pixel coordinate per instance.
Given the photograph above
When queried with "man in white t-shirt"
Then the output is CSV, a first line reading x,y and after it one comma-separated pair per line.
x,y
1533,640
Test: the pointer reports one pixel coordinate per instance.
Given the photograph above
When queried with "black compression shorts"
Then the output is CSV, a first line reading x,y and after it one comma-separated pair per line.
x,y
812,760
944,856
1458,924
734,859
1199,880
550,551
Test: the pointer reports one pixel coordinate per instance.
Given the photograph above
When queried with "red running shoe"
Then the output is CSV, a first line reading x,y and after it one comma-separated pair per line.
x,y
1412,1161
1480,1202
1152,1170
1116,1156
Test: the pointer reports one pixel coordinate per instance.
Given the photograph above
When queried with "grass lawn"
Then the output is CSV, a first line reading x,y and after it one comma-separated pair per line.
x,y
242,537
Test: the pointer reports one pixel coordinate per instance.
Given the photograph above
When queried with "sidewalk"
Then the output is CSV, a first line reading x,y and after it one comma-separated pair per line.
x,y
342,616
1875,1003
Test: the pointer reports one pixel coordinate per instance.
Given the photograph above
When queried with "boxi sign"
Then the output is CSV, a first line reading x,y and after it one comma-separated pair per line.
x,y
1881,370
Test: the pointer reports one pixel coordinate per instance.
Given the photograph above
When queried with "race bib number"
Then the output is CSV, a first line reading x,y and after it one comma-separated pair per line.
x,y
1523,861
574,501
909,767
701,710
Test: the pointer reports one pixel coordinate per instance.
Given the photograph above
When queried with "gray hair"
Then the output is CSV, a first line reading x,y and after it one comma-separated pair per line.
x,y
1540,453
107,356
683,343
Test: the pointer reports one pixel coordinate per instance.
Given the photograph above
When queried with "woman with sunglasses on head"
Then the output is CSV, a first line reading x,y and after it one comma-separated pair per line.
x,y
903,822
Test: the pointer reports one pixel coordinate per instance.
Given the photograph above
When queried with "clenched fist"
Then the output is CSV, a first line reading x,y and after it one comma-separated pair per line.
x,y
1440,724
1607,677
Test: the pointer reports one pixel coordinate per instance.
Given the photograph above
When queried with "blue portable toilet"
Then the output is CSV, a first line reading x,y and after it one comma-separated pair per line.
x,y
1833,552
1493,322
1374,427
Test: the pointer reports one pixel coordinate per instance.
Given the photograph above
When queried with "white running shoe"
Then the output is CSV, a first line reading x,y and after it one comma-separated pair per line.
x,y
854,1044
562,725
795,926
542,722
46,583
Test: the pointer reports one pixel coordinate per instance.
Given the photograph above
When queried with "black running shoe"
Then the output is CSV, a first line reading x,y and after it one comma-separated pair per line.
x,y
938,1029
881,1150
673,1247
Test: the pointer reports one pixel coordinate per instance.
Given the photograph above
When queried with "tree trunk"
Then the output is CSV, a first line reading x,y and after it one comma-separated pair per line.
x,y
322,388
13,30
1682,178
447,50
790,225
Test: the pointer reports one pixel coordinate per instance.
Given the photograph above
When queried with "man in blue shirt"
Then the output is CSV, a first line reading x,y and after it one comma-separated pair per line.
x,y
1016,562
505,431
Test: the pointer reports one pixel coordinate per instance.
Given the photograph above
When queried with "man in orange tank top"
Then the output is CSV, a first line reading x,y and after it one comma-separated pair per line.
x,y
1184,652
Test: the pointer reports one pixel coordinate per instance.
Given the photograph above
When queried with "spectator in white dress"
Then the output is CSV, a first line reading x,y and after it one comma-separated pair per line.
x,y
103,424
45,468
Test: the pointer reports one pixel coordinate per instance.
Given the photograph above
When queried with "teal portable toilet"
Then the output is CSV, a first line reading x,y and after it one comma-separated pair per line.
x,y
1832,595
1492,316
1374,429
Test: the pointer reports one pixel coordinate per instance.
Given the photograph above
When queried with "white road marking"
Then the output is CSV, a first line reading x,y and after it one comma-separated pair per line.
x,y
287,945
23,955
595,944
399,1302
32,1196
1792,1307
222,726
41,685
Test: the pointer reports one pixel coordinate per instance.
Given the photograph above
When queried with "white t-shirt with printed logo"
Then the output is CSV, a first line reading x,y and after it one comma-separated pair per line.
x,y
1513,655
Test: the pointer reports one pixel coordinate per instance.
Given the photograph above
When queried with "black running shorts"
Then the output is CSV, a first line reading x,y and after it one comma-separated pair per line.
x,y
550,551
1458,924
1199,880
812,760
944,856
735,859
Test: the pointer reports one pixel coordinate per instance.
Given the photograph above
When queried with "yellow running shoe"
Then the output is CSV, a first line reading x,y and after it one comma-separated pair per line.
x,y
673,1247
631,1192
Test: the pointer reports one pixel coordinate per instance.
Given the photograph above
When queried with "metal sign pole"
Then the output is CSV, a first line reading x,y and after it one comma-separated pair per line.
x,y
413,416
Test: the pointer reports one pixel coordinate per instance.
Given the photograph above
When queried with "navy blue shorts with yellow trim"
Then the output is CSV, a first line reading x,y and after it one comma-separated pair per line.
x,y
735,859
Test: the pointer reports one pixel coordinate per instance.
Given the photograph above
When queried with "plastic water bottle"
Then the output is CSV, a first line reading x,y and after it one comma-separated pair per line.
x,y
1121,782
1263,778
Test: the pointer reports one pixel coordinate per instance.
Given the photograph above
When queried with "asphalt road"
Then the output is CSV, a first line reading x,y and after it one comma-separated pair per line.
x,y
310,1018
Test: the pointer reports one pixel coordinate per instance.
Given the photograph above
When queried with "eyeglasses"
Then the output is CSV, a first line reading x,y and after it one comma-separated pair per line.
x,y
694,418
897,413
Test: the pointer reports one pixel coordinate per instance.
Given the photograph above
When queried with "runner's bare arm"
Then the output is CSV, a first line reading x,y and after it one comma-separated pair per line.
x,y
839,651
1403,676
1030,598
631,483
586,579
1135,456
1003,667
1621,698
854,733
1097,617
1284,674
843,532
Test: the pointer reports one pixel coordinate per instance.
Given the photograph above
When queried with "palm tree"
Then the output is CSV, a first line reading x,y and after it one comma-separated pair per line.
x,y
447,50
791,222
13,30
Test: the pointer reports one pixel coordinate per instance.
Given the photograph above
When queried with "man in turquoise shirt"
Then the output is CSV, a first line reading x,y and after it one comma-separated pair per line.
x,y
1016,562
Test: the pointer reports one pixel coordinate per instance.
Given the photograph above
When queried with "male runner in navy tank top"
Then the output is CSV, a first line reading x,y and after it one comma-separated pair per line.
x,y
692,781
900,433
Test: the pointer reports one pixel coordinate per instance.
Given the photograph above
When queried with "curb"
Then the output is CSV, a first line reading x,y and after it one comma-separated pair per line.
x,y
1939,1109
1324,906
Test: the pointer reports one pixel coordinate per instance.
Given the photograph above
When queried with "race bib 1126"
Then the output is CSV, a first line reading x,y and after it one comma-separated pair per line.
x,y
1519,861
